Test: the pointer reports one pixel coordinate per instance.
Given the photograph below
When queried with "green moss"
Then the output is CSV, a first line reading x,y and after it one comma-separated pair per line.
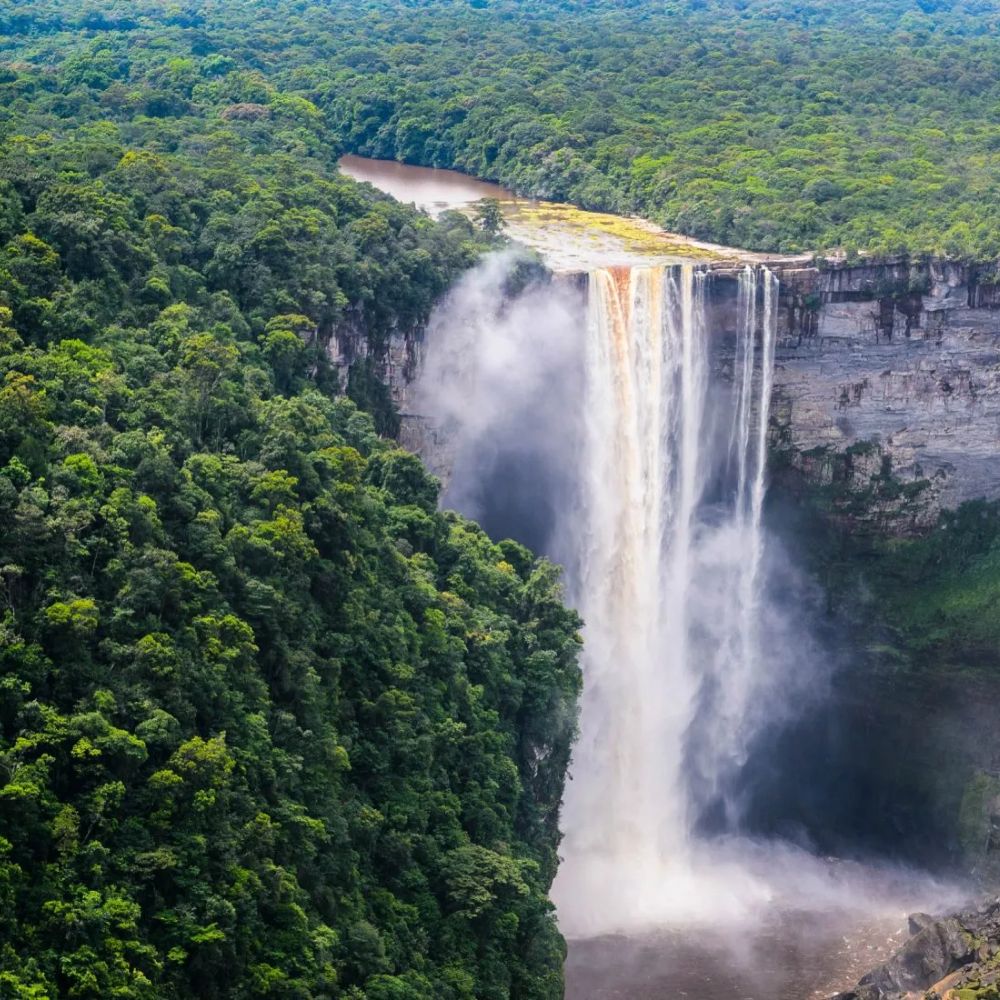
x,y
929,598
974,826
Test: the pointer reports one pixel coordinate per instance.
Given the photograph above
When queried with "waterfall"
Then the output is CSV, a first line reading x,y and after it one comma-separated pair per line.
x,y
748,448
669,582
624,433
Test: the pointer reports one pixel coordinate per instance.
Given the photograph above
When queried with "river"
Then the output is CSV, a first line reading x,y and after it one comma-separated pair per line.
x,y
789,956
744,921
429,188
569,238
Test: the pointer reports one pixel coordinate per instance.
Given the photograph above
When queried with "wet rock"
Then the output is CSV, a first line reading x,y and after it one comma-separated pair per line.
x,y
949,953
919,921
932,953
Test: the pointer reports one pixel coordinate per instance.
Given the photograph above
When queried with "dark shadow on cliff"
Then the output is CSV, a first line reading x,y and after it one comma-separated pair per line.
x,y
880,767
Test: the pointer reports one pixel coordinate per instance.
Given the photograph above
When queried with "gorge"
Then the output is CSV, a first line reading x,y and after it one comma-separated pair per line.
x,y
408,596
532,397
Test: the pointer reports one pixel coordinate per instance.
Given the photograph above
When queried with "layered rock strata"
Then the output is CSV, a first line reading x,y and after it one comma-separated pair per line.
x,y
886,389
888,384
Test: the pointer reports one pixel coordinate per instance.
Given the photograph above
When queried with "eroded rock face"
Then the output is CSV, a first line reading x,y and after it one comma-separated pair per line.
x,y
395,359
891,371
933,953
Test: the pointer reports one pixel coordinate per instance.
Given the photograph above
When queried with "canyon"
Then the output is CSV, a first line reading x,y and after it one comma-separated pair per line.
x,y
883,410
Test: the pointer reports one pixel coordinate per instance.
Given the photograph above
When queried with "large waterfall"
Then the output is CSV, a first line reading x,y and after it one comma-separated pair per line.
x,y
623,430
620,426
668,582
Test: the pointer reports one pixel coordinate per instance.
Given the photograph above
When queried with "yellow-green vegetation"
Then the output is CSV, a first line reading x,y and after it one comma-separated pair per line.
x,y
614,233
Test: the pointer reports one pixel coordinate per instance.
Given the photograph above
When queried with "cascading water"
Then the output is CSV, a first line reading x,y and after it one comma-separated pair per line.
x,y
739,674
628,441
624,434
668,582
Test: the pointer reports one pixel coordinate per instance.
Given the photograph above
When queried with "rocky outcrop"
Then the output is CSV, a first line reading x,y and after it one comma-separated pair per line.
x,y
887,388
395,357
932,953
954,958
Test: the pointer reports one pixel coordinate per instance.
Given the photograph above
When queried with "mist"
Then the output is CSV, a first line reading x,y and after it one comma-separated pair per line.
x,y
617,428
499,382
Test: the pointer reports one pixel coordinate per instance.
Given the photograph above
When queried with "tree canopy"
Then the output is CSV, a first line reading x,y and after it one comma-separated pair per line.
x,y
270,724
760,123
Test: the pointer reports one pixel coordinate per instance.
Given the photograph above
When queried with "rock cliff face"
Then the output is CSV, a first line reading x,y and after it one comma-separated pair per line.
x,y
395,360
888,386
887,383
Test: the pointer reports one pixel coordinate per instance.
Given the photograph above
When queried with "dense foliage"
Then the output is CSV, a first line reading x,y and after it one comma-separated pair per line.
x,y
760,123
270,725
924,602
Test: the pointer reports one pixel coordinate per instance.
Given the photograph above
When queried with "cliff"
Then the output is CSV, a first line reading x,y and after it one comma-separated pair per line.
x,y
886,411
886,392
887,386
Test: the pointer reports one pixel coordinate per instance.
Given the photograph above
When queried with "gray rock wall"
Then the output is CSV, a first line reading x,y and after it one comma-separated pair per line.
x,y
396,361
907,358
887,382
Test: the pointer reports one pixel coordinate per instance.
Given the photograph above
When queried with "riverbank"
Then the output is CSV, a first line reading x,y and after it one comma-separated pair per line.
x,y
952,958
570,239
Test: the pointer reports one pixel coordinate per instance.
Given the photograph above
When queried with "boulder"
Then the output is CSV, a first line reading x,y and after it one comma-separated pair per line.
x,y
937,949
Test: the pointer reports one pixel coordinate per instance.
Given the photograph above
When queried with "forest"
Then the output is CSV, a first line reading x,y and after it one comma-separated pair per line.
x,y
270,725
798,127
803,127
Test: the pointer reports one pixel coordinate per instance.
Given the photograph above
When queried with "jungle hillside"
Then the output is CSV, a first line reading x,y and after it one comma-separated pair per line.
x,y
270,724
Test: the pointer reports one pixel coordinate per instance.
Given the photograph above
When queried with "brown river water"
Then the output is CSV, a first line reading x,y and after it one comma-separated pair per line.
x,y
786,955
429,188
795,959
823,923
809,927
569,238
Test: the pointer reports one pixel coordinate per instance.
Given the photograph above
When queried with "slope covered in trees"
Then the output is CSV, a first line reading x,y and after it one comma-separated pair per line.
x,y
270,725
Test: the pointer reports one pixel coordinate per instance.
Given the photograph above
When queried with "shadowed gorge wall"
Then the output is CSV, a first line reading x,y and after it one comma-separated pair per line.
x,y
884,761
